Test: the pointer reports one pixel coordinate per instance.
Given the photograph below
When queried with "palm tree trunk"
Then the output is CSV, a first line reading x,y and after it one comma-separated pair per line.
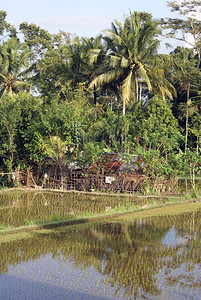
x,y
199,58
136,87
124,108
140,94
95,101
187,114
197,147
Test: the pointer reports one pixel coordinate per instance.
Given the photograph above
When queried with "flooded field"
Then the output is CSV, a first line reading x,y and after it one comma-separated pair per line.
x,y
145,255
26,208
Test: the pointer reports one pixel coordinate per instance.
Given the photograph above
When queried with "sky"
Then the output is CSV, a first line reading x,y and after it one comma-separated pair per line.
x,y
84,18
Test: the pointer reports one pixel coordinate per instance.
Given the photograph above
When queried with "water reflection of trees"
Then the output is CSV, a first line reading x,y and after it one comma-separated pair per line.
x,y
129,254
17,209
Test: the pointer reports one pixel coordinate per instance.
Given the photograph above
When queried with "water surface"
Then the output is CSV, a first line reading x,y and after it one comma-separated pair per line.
x,y
25,208
127,257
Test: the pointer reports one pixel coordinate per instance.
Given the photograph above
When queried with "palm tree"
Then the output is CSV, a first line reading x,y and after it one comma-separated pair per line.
x,y
14,65
73,65
130,47
55,148
186,77
78,65
74,54
78,56
160,68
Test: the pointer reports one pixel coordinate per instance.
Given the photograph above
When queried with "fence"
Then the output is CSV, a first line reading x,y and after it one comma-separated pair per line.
x,y
88,182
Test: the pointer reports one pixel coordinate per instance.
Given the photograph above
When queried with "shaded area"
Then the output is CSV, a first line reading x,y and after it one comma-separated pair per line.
x,y
39,290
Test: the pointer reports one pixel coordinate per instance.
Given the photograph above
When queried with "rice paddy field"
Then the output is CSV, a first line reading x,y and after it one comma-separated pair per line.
x,y
151,254
22,208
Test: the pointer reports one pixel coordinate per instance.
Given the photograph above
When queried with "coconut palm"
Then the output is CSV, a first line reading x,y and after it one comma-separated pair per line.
x,y
160,69
56,149
187,78
130,46
75,61
76,67
14,65
72,65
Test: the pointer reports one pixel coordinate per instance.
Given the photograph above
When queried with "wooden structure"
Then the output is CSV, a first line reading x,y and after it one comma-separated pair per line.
x,y
104,175
81,181
109,173
112,183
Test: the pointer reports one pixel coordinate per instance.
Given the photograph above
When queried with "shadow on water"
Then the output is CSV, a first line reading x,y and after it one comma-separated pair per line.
x,y
38,290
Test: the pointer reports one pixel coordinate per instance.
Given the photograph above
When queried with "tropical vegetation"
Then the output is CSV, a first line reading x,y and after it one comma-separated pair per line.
x,y
65,98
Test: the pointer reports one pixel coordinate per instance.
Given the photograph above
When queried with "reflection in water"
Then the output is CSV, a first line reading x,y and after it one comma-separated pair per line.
x,y
17,209
172,238
152,258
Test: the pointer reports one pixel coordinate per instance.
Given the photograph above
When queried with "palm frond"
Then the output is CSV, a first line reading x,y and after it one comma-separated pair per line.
x,y
105,78
115,61
93,55
124,62
161,85
142,73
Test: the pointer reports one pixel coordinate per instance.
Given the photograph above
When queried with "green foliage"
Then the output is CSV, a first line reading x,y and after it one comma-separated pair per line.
x,y
10,114
14,66
156,166
5,27
193,162
62,96
91,152
130,46
195,128
187,26
160,127
35,37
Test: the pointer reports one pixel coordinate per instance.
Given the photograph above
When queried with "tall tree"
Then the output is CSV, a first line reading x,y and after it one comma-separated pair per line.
x,y
186,79
160,69
5,27
9,119
130,46
161,130
36,38
67,65
14,65
188,27
41,42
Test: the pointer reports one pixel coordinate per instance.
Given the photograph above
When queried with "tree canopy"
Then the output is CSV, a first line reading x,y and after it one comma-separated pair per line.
x,y
66,98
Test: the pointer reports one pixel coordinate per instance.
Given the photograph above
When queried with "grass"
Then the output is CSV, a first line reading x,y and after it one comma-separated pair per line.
x,y
172,207
176,209
2,227
55,219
